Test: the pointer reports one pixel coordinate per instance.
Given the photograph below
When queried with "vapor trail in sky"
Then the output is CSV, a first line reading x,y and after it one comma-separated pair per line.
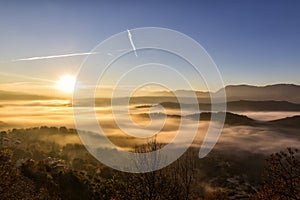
x,y
54,56
131,42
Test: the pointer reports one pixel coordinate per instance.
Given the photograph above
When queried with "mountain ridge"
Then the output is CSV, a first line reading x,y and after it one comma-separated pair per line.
x,y
276,92
241,105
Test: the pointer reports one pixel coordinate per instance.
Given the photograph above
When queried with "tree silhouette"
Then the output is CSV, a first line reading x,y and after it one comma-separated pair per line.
x,y
281,178
172,182
13,185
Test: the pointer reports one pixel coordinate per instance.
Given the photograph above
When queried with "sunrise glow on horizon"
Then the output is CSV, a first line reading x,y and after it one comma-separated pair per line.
x,y
66,83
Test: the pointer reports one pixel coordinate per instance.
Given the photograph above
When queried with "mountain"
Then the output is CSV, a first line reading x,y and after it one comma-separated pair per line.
x,y
277,92
181,93
230,118
244,105
236,119
292,122
241,105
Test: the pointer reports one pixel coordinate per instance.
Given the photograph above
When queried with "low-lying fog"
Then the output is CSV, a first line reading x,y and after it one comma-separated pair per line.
x,y
268,115
262,139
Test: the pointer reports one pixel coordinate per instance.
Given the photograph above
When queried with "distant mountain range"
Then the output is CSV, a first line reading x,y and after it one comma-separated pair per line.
x,y
242,105
277,92
233,119
236,119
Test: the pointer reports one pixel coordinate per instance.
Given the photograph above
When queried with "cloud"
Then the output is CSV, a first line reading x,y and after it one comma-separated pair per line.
x,y
54,56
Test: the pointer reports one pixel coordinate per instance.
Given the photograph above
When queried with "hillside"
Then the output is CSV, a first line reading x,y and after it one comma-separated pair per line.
x,y
235,119
289,122
230,119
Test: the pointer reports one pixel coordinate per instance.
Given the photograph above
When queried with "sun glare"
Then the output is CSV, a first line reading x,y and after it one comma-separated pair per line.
x,y
66,83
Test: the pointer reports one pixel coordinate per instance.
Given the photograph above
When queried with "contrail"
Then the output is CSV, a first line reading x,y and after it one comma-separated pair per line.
x,y
131,42
54,56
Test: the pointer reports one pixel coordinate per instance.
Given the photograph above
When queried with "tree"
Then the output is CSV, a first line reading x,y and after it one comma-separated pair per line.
x,y
13,185
172,182
281,178
185,171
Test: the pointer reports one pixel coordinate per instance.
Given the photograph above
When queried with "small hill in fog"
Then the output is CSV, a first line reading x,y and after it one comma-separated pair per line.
x,y
230,118
291,122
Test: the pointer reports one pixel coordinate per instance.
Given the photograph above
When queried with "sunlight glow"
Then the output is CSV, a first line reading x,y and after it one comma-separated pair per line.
x,y
66,83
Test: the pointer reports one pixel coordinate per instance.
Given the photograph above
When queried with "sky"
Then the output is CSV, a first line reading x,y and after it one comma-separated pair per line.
x,y
251,42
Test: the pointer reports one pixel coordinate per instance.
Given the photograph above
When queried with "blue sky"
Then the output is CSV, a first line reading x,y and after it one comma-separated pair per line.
x,y
252,42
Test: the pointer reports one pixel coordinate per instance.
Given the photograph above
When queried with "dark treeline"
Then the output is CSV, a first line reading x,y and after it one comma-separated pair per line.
x,y
32,168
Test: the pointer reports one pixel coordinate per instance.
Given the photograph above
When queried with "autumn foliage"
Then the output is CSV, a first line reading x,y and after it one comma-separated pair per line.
x,y
281,178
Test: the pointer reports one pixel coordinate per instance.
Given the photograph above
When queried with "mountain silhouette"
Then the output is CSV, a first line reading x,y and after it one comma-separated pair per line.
x,y
230,118
277,92
292,122
241,105
236,119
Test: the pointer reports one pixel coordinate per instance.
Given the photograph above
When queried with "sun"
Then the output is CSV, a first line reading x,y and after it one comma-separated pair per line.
x,y
66,83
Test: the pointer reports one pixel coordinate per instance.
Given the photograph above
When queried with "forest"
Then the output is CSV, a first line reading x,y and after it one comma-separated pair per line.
x,y
33,167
